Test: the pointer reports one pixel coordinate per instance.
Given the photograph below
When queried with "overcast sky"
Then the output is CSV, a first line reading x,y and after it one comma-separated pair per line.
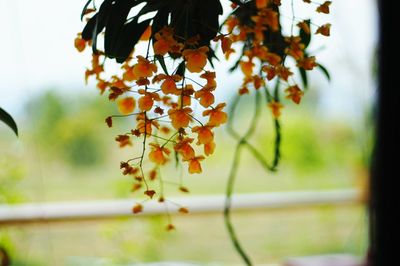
x,y
38,53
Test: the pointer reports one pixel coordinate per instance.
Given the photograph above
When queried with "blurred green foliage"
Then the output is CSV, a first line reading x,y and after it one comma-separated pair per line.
x,y
66,127
65,136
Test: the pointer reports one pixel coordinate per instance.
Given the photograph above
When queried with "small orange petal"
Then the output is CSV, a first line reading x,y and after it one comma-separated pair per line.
x,y
146,34
145,103
126,105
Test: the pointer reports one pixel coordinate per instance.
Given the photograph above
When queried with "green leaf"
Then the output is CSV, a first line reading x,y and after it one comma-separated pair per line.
x,y
180,70
325,71
211,56
305,37
160,59
304,77
8,120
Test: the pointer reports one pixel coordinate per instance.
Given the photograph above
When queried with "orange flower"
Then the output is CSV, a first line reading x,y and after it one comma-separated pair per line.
x,y
258,51
170,227
129,75
210,77
209,148
143,82
324,8
158,155
273,59
161,47
258,82
117,83
196,59
275,108
183,210
123,140
126,105
180,117
102,85
185,95
244,90
226,43
194,165
146,102
169,84
324,29
144,69
294,93
185,149
261,3
231,23
304,26
144,125
217,116
271,71
205,96
146,34
308,63
165,42
268,17
295,48
284,72
109,121
137,208
204,134
247,68
80,43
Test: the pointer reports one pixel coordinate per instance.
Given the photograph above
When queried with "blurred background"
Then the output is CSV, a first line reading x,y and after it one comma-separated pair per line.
x,y
65,152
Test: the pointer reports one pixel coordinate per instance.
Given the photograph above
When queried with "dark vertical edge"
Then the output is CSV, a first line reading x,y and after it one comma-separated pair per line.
x,y
385,193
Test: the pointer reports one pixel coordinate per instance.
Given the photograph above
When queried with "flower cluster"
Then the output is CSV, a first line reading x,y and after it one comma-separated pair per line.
x,y
163,103
253,28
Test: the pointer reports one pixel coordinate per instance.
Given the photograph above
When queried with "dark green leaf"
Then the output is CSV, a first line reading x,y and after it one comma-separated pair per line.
x,y
304,77
160,59
128,38
235,66
87,32
152,6
211,56
325,71
205,19
176,156
238,2
85,8
97,23
305,37
114,26
180,70
8,120
160,20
